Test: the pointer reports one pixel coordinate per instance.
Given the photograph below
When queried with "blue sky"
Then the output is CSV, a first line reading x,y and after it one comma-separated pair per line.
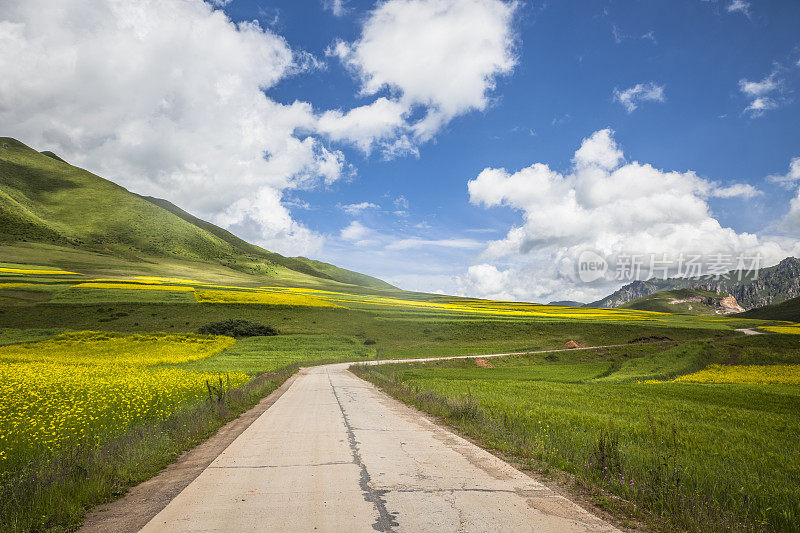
x,y
705,90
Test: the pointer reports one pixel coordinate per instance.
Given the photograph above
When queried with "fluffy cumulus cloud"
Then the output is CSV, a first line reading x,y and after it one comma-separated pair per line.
x,y
382,123
641,92
607,204
434,59
357,233
166,97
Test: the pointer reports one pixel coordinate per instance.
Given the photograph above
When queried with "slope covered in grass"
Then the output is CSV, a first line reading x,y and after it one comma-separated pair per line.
x,y
785,310
44,199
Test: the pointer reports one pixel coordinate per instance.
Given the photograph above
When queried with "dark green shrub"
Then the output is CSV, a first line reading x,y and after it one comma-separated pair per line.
x,y
237,329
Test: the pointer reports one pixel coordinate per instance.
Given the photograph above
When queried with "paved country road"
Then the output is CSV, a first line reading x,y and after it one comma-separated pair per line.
x,y
334,453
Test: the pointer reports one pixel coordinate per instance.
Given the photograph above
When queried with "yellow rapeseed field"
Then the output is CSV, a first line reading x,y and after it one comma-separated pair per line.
x,y
41,272
142,286
12,285
161,279
259,297
746,374
82,387
46,405
103,348
469,306
792,330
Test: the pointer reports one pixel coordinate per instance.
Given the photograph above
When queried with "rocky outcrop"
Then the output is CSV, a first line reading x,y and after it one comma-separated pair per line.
x,y
722,305
728,305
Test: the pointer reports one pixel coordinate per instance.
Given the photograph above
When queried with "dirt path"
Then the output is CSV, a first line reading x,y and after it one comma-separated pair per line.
x,y
748,331
334,453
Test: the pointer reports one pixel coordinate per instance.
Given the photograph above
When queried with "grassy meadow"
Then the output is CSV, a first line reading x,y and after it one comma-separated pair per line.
x,y
105,380
698,436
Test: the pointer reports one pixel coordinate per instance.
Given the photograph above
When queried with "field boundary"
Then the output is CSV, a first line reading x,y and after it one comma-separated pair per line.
x,y
142,502
533,352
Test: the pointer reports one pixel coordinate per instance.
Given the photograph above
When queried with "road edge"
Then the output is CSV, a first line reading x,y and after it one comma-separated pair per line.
x,y
129,513
559,481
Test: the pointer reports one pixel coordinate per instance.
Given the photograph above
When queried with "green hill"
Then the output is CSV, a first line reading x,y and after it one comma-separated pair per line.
x,y
690,301
785,310
46,200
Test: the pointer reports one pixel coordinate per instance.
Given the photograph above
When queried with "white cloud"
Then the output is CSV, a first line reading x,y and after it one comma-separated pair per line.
x,y
487,281
405,244
401,202
355,209
759,105
790,180
737,190
604,203
599,150
165,97
618,36
759,88
791,177
761,94
382,122
441,56
739,6
641,92
355,232
337,7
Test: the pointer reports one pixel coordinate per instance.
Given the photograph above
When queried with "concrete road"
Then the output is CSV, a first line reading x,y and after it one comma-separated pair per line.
x,y
336,454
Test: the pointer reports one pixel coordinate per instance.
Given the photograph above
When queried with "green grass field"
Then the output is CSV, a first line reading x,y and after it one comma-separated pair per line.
x,y
688,456
256,355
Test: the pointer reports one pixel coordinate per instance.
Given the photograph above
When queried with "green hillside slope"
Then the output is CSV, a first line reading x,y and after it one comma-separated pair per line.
x,y
298,264
342,275
785,310
44,199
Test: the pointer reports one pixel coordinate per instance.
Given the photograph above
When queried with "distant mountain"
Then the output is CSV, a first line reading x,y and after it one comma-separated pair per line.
x,y
44,199
691,301
772,285
785,310
567,303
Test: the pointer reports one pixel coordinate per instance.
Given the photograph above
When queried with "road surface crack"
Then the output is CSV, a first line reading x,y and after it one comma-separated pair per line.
x,y
283,466
385,520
